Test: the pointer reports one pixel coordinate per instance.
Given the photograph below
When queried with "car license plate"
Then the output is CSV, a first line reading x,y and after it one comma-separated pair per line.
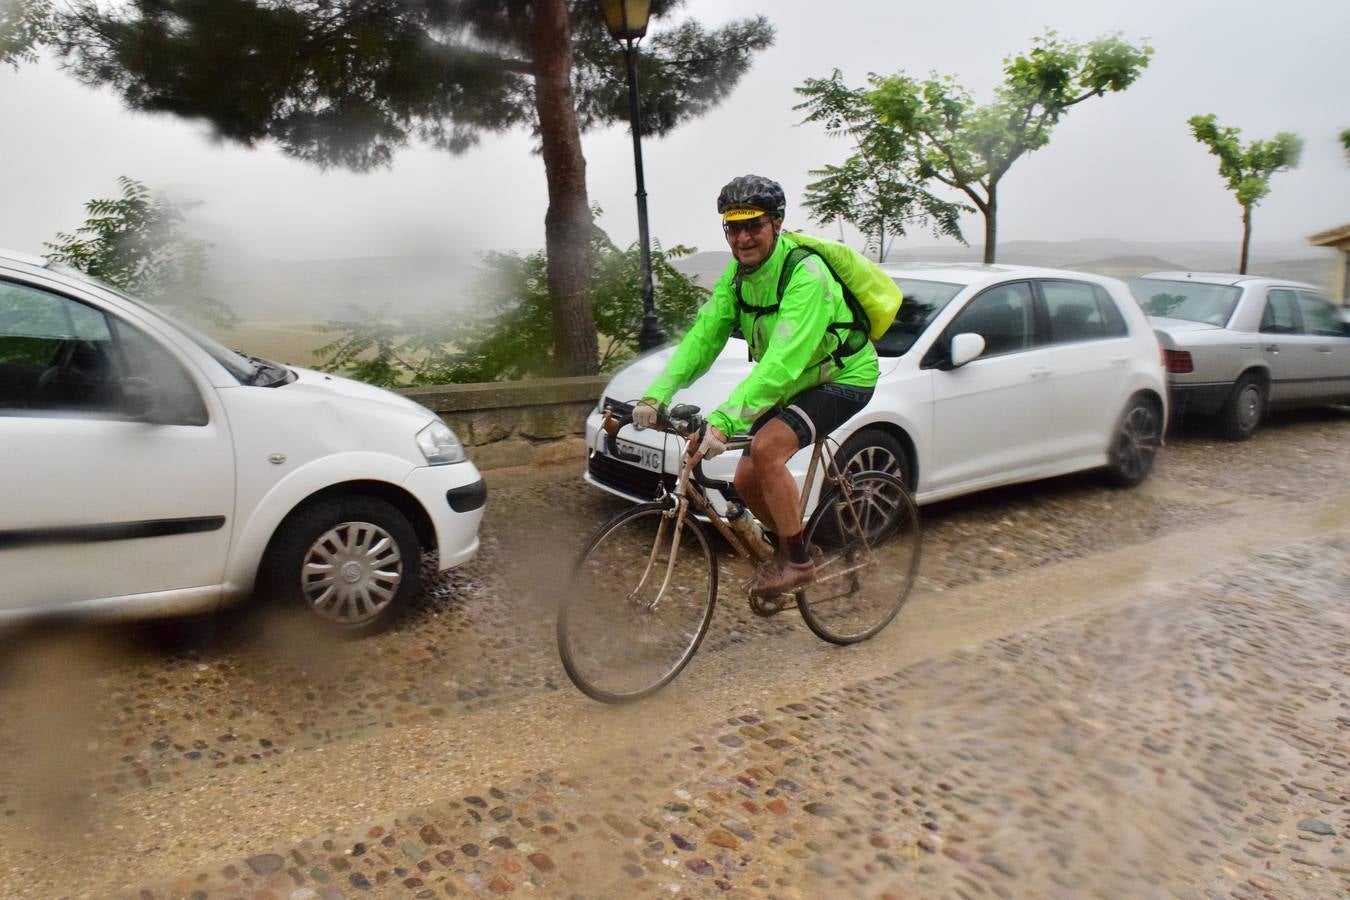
x,y
649,458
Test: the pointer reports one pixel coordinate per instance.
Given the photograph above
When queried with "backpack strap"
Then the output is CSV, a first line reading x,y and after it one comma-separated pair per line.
x,y
846,346
845,333
794,256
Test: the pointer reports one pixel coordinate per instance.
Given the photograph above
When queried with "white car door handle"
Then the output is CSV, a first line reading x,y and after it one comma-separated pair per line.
x,y
1119,360
1039,372
1273,348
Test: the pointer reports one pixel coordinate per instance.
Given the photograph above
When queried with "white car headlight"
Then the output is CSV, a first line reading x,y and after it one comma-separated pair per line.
x,y
439,444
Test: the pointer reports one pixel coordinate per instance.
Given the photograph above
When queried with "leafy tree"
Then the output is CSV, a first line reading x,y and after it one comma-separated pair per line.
x,y
969,148
1246,170
1345,141
349,82
877,189
509,336
136,242
24,24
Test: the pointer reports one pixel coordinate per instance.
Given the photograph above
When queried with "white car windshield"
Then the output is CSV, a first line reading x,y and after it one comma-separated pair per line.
x,y
923,301
1193,301
246,369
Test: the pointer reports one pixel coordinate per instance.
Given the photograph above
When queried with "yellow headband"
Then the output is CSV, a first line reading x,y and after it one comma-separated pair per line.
x,y
741,213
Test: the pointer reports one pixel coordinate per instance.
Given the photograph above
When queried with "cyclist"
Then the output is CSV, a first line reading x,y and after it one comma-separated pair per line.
x,y
814,368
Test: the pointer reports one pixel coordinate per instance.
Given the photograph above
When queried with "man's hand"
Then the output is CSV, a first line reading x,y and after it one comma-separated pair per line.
x,y
646,412
712,443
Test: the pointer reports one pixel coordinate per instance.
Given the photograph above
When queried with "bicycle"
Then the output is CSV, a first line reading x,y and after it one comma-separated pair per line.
x,y
620,643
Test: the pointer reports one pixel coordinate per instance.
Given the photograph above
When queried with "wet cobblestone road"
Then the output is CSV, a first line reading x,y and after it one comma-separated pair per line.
x,y
1190,738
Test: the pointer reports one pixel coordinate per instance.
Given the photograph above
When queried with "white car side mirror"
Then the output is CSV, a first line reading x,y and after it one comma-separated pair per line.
x,y
965,347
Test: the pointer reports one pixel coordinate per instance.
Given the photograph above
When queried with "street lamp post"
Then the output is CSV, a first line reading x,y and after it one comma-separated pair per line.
x,y
627,24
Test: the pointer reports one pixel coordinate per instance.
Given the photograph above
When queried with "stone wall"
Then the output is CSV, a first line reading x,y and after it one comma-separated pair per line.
x,y
517,423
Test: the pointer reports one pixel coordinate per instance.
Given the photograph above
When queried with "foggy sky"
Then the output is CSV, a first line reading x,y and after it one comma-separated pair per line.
x,y
1120,166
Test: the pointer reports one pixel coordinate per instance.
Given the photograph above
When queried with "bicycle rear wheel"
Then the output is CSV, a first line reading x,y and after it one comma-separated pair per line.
x,y
620,635
866,547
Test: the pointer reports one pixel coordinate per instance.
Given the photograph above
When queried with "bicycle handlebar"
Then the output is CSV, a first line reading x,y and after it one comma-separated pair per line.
x,y
682,420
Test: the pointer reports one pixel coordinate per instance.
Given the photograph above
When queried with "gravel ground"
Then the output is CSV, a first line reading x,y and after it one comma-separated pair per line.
x,y
106,715
1195,744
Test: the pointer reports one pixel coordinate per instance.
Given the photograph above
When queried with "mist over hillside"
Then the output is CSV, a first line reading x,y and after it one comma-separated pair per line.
x,y
320,290
1103,256
325,289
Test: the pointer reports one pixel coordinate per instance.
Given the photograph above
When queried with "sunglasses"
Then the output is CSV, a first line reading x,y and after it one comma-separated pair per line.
x,y
748,226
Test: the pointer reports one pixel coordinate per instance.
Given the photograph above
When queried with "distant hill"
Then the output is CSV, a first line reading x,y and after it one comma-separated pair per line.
x,y
1125,266
1120,259
318,290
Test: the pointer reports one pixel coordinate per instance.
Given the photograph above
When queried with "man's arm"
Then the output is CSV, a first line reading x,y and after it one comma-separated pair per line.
x,y
798,341
701,345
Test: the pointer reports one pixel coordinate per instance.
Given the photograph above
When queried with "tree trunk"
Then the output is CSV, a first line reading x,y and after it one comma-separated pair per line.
x,y
990,210
567,225
881,243
1246,239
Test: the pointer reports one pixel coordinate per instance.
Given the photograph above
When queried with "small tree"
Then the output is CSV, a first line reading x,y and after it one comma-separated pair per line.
x,y
877,190
24,24
1345,142
136,242
509,336
1246,170
970,148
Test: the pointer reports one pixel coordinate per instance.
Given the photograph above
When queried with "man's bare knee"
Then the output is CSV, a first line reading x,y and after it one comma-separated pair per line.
x,y
773,445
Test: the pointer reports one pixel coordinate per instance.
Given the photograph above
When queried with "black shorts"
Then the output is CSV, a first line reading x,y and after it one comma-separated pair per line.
x,y
817,411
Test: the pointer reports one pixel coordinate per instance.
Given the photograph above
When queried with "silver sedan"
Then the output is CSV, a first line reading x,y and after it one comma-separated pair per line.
x,y
1236,346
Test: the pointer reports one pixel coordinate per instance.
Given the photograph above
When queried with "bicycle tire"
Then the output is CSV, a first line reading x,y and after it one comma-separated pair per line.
x,y
617,659
852,599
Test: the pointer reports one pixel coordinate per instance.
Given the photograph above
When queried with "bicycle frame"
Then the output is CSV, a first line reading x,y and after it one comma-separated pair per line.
x,y
690,491
621,653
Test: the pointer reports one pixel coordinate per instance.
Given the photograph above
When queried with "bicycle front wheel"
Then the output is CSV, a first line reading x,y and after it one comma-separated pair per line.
x,y
866,545
630,622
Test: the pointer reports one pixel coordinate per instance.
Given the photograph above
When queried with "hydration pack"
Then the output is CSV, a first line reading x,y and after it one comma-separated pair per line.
x,y
872,297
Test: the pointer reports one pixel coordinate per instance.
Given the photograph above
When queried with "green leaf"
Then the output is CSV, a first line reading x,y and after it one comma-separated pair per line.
x,y
137,243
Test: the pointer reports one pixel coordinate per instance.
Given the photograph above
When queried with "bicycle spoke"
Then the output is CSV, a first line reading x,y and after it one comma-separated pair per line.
x,y
867,549
638,604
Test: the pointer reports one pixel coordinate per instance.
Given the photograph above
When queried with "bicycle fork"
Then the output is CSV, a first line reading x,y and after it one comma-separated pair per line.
x,y
678,513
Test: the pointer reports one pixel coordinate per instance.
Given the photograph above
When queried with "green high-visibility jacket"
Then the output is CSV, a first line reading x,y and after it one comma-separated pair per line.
x,y
792,347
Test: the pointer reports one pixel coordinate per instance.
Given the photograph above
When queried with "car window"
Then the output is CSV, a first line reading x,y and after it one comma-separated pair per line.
x,y
1002,315
1193,301
1281,313
923,300
1319,316
62,357
239,366
175,396
1078,311
55,354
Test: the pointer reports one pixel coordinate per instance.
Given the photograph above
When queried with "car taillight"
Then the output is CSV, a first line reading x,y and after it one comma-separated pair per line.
x,y
1178,362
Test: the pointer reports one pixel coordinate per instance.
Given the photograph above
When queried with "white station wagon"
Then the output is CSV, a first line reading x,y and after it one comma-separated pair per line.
x,y
146,470
990,375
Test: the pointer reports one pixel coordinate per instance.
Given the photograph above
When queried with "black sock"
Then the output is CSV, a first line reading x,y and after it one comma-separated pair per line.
x,y
796,548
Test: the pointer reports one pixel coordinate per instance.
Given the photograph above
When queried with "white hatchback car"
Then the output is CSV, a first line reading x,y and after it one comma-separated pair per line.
x,y
146,470
990,375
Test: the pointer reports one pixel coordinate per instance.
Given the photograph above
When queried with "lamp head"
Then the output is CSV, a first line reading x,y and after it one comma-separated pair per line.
x,y
626,19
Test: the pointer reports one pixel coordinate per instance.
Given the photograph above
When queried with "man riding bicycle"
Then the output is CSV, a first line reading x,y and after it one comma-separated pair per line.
x,y
814,368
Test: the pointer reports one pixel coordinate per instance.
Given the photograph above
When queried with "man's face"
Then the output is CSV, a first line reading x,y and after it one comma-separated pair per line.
x,y
751,240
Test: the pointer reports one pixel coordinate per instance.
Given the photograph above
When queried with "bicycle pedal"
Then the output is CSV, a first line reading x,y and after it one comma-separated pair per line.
x,y
765,607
